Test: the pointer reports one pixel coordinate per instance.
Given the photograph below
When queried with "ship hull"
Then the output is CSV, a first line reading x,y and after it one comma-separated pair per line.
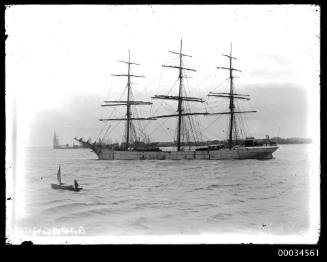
x,y
262,152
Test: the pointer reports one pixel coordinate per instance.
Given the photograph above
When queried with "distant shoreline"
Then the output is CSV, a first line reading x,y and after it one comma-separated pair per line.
x,y
278,140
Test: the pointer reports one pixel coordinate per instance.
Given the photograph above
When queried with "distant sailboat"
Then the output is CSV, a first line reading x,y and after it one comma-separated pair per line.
x,y
56,144
55,141
61,186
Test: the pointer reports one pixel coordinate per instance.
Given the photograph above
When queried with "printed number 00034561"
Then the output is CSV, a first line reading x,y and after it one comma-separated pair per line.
x,y
298,252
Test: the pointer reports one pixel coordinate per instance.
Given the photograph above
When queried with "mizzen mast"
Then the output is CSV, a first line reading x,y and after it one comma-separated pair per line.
x,y
128,103
231,95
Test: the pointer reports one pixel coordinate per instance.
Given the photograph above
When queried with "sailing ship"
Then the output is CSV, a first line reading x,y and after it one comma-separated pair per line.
x,y
56,144
234,148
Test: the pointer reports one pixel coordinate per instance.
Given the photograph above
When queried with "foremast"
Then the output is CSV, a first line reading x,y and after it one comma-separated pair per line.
x,y
128,103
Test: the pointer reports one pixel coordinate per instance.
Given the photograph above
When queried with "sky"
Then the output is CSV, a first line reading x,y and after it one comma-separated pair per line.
x,y
59,61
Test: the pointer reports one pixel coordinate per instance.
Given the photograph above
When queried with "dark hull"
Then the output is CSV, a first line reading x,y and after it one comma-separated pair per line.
x,y
253,152
70,188
262,152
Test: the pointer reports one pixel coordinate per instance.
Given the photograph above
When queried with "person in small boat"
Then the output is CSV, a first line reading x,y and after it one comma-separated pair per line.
x,y
76,184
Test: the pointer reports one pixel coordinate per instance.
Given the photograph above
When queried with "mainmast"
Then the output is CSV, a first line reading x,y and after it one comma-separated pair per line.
x,y
180,98
180,109
128,108
231,101
127,103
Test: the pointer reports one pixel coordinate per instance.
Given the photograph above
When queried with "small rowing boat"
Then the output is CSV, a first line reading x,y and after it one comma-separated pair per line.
x,y
71,188
64,187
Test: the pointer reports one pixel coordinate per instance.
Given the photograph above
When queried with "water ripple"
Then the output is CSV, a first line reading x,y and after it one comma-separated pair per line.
x,y
139,196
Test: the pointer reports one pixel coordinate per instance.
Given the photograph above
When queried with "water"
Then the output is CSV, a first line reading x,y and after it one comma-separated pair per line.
x,y
167,197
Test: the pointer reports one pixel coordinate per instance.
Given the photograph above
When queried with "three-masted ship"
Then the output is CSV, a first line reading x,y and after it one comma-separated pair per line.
x,y
234,148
